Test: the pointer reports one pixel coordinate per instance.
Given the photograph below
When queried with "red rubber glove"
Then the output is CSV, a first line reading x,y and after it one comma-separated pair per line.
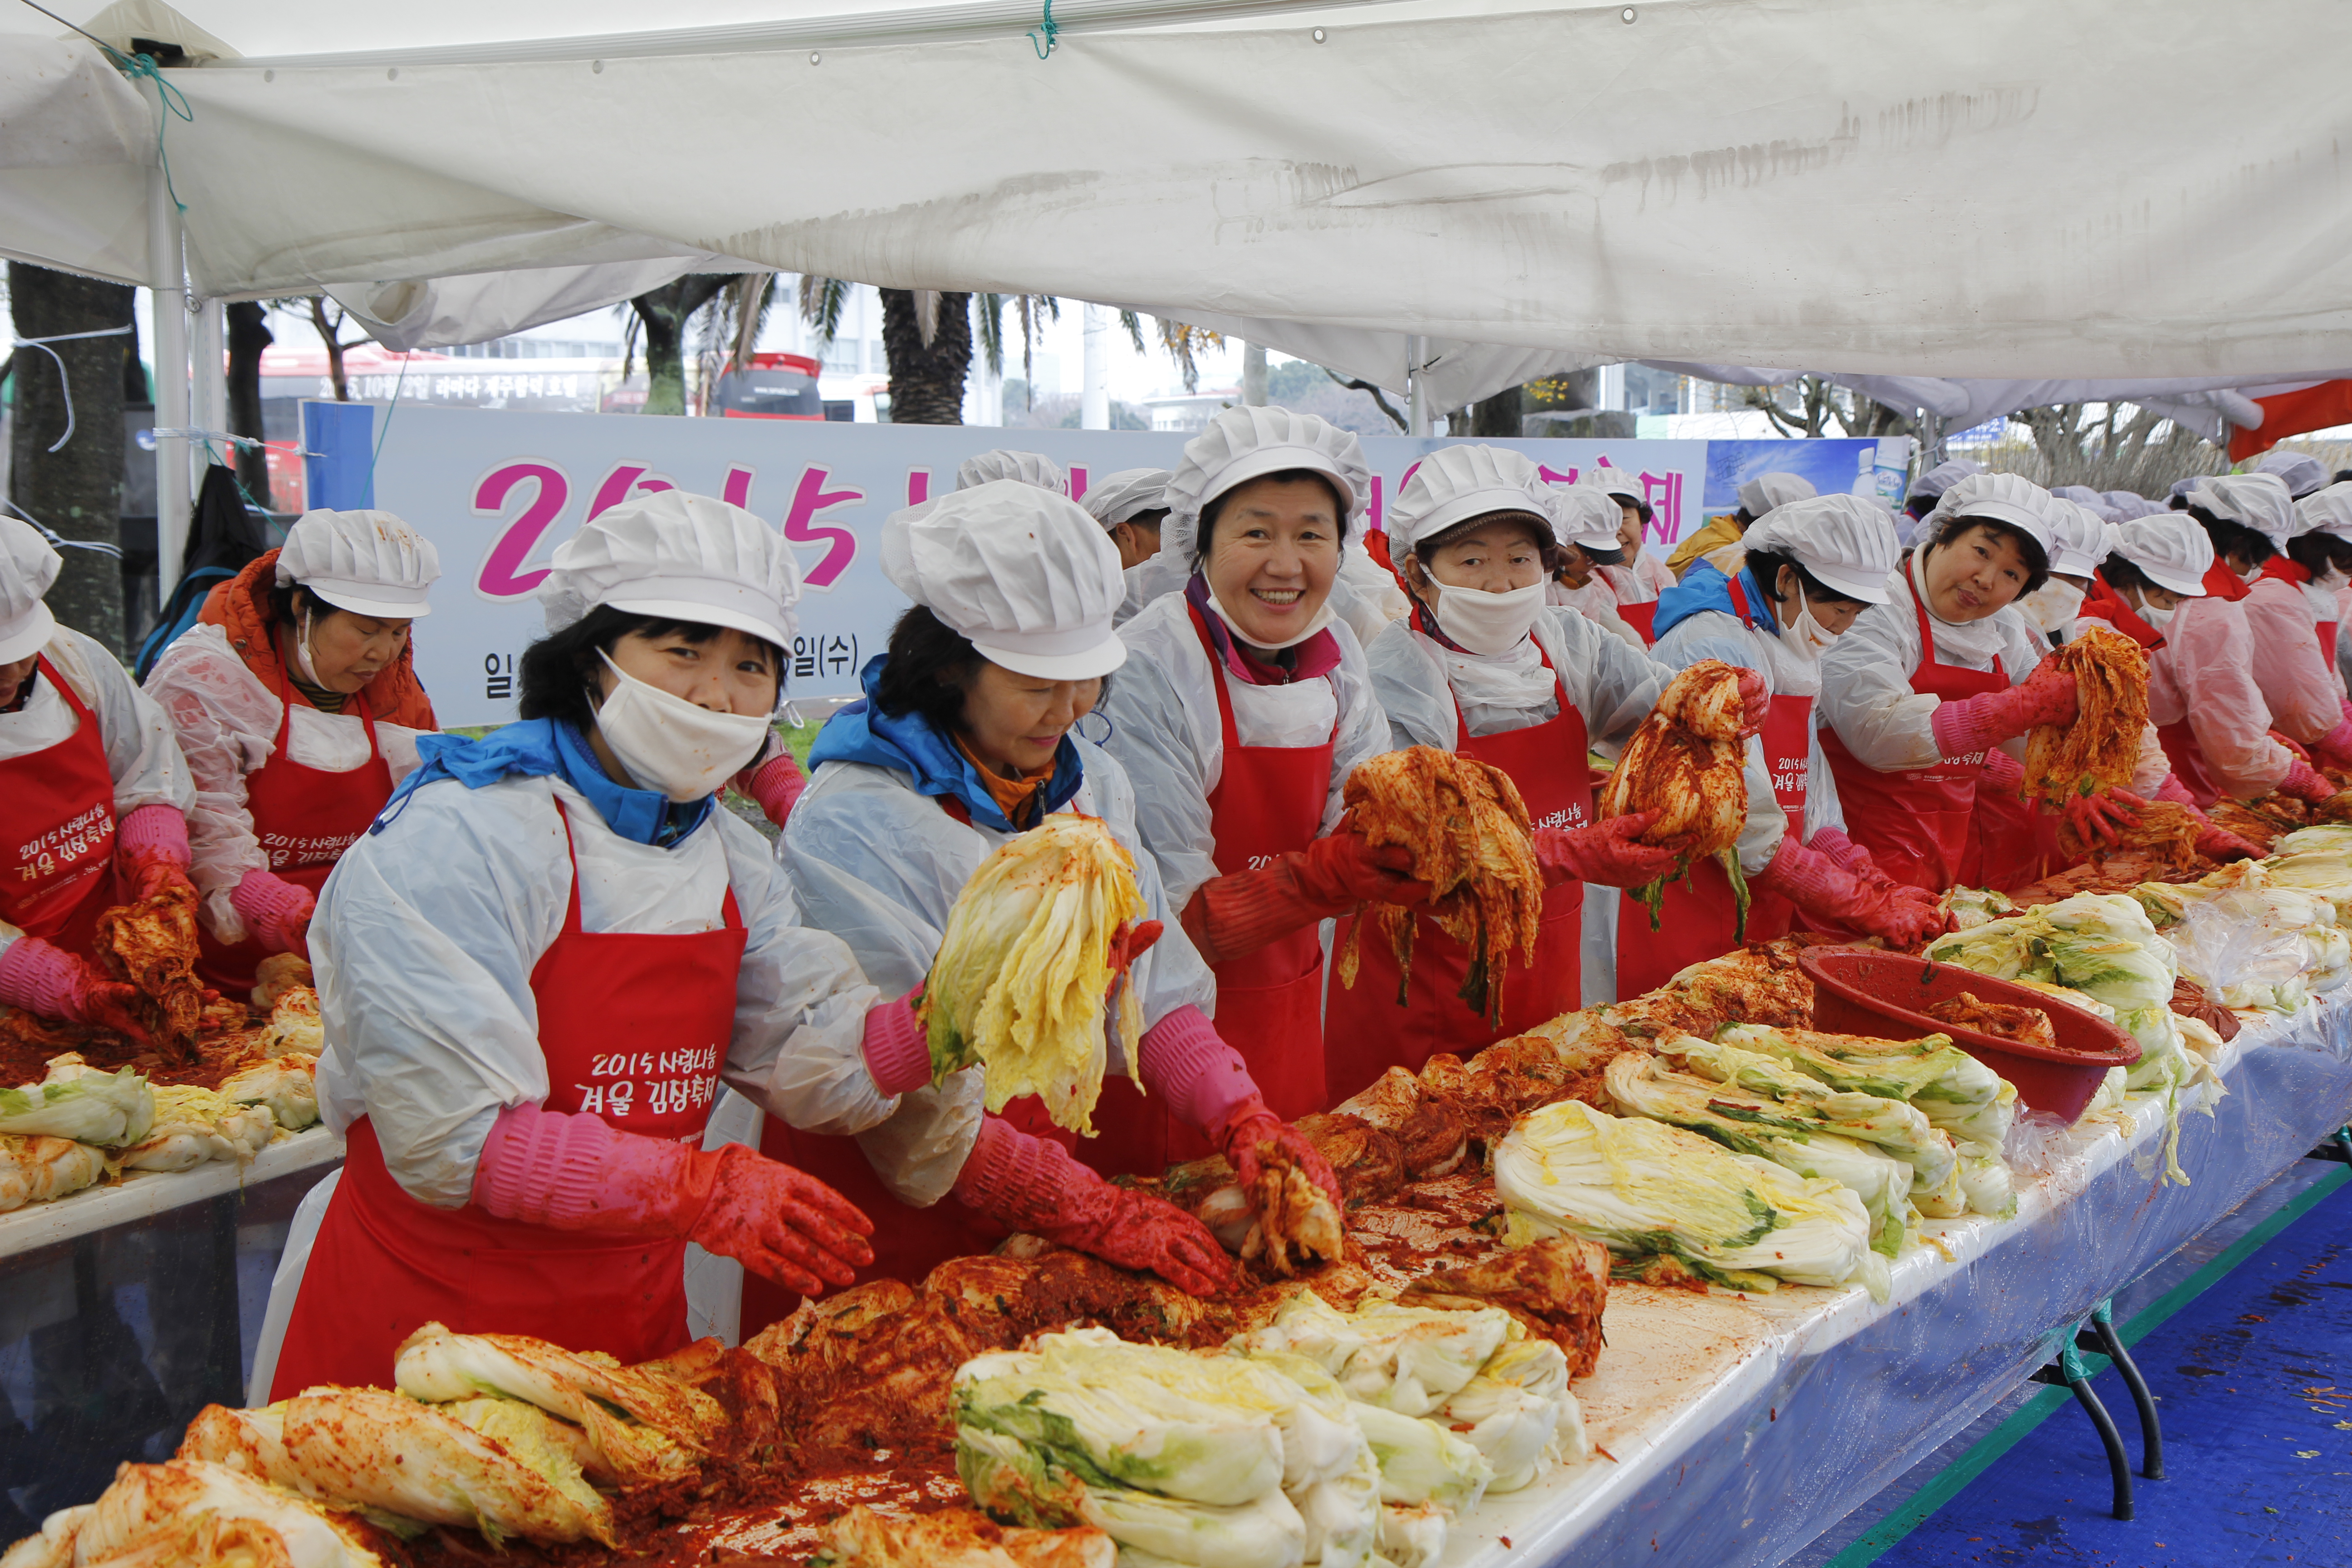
x,y
1602,852
1131,942
1032,1184
276,912
576,1172
772,780
2307,784
2099,818
45,979
1827,891
151,850
1973,724
2220,843
1755,702
1236,914
2336,746
1248,1124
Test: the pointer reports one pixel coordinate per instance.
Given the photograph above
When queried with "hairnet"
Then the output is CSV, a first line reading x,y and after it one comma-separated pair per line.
x,y
1935,481
370,563
1029,468
687,557
1765,491
1845,540
2170,548
2328,510
2259,501
1455,484
28,565
2302,473
1023,574
2010,499
1245,443
1126,494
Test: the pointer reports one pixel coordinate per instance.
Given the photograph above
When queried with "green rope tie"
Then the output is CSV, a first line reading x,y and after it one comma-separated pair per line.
x,y
1042,40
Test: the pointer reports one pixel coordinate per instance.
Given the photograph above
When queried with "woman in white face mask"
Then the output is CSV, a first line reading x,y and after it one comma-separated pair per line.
x,y
543,960
1811,567
2290,606
2079,539
2202,697
1485,669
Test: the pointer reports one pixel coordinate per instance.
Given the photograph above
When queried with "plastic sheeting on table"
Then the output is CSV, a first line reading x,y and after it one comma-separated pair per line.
x,y
112,1340
1742,1427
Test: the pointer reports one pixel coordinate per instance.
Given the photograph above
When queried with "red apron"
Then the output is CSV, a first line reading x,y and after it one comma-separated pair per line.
x,y
1915,822
305,818
1366,1033
384,1263
1640,617
1268,802
59,832
1699,917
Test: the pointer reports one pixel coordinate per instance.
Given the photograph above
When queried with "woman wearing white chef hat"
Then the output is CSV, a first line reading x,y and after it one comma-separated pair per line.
x,y
2079,539
296,700
539,965
1033,468
968,736
1641,576
2202,695
1588,522
2327,516
2290,606
1130,505
92,799
1240,719
1809,569
1928,695
1486,670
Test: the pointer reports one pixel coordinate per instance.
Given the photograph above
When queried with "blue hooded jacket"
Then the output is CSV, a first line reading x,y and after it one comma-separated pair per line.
x,y
538,748
862,733
1704,587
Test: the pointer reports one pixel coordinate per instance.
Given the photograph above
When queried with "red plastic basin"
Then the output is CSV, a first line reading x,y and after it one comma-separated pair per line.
x,y
1886,995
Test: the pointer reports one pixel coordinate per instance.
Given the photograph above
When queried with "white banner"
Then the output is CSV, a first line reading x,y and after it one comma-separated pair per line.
x,y
497,491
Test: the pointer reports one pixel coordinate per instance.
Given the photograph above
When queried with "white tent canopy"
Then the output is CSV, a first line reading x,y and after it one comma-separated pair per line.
x,y
1987,190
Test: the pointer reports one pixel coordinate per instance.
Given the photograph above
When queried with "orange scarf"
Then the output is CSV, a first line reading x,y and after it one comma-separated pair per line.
x,y
240,607
1013,797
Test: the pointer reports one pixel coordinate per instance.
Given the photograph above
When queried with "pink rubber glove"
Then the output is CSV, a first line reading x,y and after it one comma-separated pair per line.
x,y
2217,843
576,1172
1979,723
1827,891
45,980
151,850
276,912
1602,852
1841,850
1755,702
1185,1063
2336,746
2307,784
2002,771
772,781
898,1056
2100,817
2173,790
1248,1124
1241,912
1032,1184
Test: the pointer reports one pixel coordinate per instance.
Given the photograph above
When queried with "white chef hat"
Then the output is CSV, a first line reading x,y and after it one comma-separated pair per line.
x,y
2124,505
1613,482
2302,473
683,557
1029,468
2259,501
1127,494
1846,541
2010,499
369,562
1455,484
1245,443
28,565
2079,538
1588,517
1935,481
1765,491
2182,486
1023,574
2328,510
2170,548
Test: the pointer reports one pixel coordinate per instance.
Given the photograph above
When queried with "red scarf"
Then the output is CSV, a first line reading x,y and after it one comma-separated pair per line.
x,y
2286,570
2220,582
2104,604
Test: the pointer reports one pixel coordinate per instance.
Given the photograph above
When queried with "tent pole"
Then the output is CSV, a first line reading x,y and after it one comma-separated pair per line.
x,y
208,379
1418,392
170,286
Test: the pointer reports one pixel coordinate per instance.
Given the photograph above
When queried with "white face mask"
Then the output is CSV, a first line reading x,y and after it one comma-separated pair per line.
x,y
2250,574
668,744
1806,636
2155,617
2052,606
2330,580
1486,623
303,652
